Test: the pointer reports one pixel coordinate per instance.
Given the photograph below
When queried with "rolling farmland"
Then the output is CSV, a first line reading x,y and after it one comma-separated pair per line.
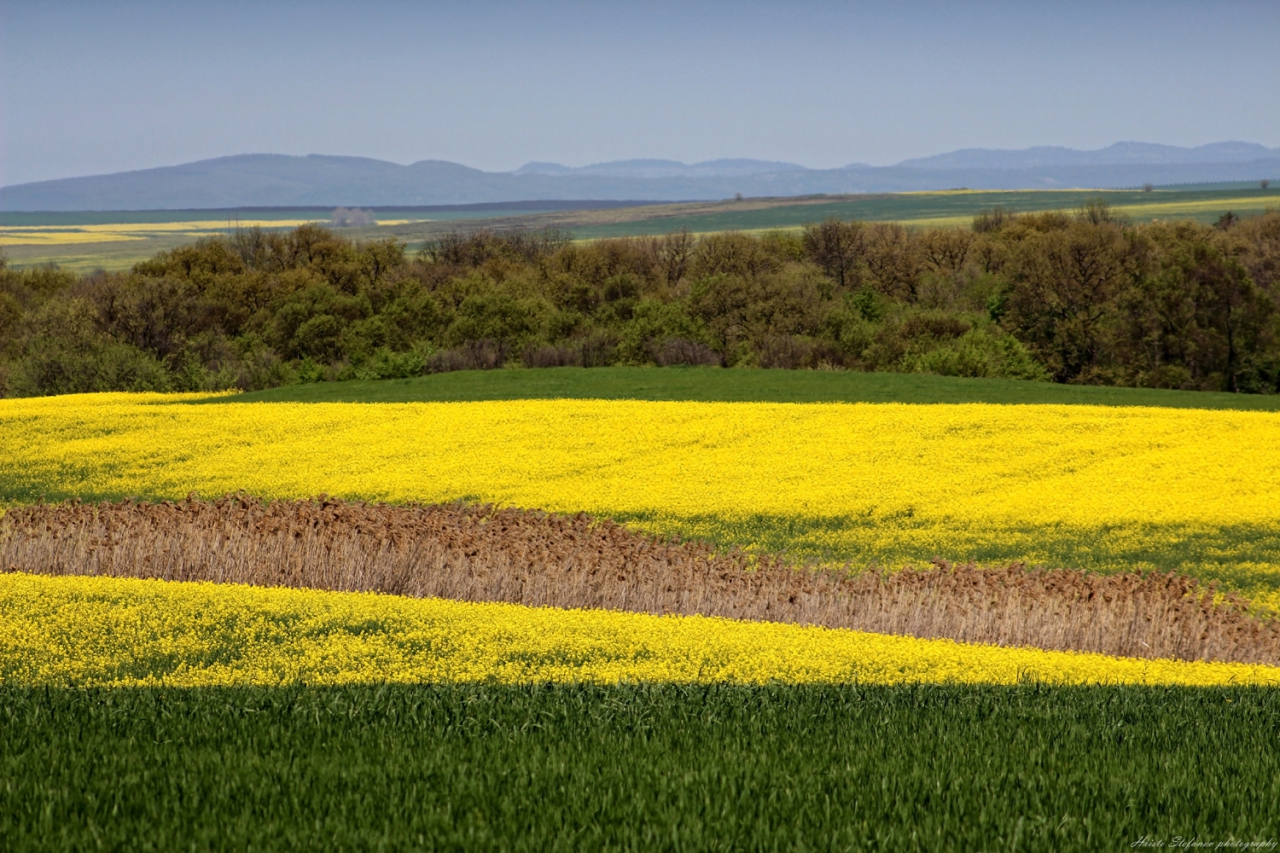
x,y
565,428
370,588
84,241
1026,581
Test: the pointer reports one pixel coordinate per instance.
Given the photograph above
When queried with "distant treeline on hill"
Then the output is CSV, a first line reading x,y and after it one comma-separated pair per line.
x,y
1077,298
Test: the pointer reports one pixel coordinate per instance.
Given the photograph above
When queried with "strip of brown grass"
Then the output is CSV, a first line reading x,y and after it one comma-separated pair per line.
x,y
476,553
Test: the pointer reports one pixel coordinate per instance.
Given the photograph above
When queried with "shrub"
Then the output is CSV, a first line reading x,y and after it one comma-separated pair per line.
x,y
473,355
681,351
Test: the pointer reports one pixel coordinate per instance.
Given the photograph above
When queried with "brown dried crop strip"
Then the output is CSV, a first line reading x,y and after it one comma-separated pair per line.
x,y
477,553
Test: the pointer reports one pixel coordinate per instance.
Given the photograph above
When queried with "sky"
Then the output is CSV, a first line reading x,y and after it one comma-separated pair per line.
x,y
93,87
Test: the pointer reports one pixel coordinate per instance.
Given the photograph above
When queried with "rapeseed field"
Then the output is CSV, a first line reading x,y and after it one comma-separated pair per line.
x,y
299,716
1099,488
96,632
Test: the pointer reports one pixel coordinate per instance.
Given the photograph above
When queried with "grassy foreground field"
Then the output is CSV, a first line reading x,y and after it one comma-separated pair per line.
x,y
637,767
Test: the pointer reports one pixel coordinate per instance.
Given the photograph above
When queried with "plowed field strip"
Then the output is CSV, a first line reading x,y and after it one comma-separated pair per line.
x,y
479,554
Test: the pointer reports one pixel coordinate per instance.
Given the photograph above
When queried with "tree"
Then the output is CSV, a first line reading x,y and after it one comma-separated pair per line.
x,y
732,253
1198,312
722,303
892,260
1233,307
1062,295
992,220
945,249
1097,211
836,247
674,252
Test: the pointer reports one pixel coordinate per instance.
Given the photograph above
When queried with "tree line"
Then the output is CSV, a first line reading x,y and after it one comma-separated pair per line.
x,y
1082,297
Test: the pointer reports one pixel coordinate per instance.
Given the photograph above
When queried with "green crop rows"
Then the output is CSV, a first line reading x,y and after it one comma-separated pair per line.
x,y
630,768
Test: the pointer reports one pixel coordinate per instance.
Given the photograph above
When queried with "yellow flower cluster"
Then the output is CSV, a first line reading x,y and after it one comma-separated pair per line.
x,y
109,632
890,482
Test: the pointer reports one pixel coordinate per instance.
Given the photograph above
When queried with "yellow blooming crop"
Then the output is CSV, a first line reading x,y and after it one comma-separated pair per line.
x,y
1093,487
109,632
1076,465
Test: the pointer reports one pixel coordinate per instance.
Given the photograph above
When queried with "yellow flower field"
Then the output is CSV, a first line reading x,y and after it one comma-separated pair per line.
x,y
108,632
1095,487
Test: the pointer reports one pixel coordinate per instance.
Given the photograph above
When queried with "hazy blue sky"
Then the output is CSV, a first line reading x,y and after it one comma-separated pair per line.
x,y
89,87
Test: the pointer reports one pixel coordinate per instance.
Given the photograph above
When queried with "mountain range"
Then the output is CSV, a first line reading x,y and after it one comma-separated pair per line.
x,y
277,180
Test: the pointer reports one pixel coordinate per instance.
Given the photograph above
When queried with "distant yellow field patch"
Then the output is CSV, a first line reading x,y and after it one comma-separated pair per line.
x,y
61,238
59,235
155,227
1174,208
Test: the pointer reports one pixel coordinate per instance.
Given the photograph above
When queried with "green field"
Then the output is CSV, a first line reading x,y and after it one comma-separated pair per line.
x,y
954,208
949,208
636,767
739,385
114,240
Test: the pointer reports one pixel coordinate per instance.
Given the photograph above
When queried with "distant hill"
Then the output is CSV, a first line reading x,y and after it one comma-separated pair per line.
x,y
1120,154
271,180
664,169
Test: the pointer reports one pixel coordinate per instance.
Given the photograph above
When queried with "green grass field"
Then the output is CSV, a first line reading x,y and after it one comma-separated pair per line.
x,y
636,768
953,208
739,385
